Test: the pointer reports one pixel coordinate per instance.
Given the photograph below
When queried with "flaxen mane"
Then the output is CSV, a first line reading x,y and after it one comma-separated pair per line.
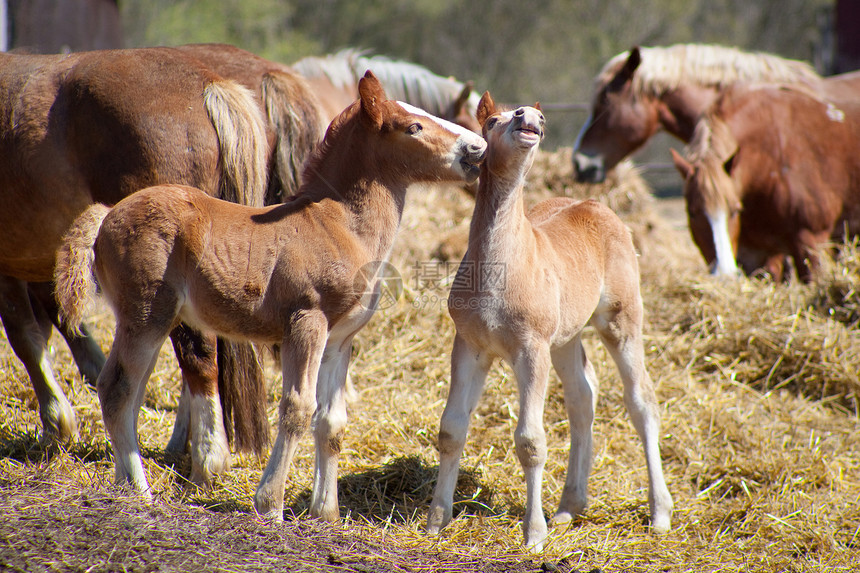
x,y
415,84
337,67
712,145
402,80
664,69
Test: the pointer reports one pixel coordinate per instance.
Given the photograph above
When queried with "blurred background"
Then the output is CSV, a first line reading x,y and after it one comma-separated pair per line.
x,y
546,50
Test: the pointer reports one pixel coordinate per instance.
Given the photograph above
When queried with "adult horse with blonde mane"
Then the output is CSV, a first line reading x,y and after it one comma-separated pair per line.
x,y
95,127
645,89
283,275
334,79
772,173
561,266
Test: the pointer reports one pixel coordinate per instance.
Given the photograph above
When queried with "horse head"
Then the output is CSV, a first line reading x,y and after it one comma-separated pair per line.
x,y
713,210
512,136
619,121
399,134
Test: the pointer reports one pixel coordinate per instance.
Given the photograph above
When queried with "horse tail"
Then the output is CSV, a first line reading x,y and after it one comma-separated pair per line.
x,y
242,142
74,282
294,114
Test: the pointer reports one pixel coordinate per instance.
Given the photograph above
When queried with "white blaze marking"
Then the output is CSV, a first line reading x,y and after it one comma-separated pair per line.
x,y
582,131
450,126
726,265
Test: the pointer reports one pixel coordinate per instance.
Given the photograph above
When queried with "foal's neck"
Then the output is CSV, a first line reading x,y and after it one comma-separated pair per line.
x,y
499,224
373,205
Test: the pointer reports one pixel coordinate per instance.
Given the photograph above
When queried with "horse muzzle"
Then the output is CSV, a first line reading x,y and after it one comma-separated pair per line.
x,y
588,169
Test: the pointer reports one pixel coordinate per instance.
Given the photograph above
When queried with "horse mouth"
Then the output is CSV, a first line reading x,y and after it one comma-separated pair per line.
x,y
471,170
529,135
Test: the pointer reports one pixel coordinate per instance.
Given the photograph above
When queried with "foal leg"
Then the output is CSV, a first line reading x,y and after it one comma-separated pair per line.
x,y
623,338
531,368
121,386
301,354
580,399
469,368
86,352
200,416
329,426
29,341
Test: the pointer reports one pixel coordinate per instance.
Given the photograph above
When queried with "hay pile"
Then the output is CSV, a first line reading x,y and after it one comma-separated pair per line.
x,y
761,440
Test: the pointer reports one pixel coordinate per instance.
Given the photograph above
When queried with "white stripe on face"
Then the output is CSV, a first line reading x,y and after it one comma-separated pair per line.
x,y
453,127
726,265
581,134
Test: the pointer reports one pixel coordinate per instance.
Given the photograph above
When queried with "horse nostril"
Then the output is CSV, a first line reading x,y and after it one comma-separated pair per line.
x,y
475,147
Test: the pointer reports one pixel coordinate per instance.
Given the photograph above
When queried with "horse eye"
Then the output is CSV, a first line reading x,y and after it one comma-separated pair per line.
x,y
491,122
414,129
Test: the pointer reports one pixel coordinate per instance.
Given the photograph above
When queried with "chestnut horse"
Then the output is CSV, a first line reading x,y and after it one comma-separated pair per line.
x,y
282,275
645,89
527,286
772,173
95,127
334,79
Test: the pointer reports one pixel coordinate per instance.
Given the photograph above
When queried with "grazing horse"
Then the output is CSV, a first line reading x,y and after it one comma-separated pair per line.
x,y
527,286
282,275
772,172
638,92
95,127
334,79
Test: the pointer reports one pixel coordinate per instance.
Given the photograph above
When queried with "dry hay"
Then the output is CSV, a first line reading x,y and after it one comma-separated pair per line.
x,y
761,440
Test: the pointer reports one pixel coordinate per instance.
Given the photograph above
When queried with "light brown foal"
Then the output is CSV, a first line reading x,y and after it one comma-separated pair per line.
x,y
527,286
284,274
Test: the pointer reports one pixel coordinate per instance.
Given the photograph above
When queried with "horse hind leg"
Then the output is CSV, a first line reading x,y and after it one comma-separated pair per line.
x,y
199,418
121,387
622,336
29,340
86,352
580,386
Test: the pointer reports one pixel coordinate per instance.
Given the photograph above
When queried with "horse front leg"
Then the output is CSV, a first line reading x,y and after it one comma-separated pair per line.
x,y
29,341
469,368
301,354
329,426
531,368
199,417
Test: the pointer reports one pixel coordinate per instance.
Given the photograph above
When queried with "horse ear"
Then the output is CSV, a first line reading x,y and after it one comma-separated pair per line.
x,y
684,167
463,98
626,72
372,95
537,106
729,163
486,108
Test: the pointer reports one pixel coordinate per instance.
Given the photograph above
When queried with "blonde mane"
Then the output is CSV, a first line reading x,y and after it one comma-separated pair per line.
x,y
712,145
667,68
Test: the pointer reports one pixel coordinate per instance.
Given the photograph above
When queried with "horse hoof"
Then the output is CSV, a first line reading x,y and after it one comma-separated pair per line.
x,y
437,519
561,518
661,525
